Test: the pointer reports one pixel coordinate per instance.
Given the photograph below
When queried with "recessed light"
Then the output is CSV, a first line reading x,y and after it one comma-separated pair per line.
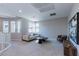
x,y
20,11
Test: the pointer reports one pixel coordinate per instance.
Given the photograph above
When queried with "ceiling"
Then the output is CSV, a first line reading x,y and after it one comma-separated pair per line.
x,y
35,11
43,7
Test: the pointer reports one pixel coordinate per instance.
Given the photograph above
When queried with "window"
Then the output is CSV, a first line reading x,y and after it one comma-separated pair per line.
x,y
18,26
37,27
5,26
15,26
33,27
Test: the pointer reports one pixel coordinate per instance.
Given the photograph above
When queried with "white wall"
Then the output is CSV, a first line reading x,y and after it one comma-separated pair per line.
x,y
49,28
16,36
24,26
24,30
52,28
73,12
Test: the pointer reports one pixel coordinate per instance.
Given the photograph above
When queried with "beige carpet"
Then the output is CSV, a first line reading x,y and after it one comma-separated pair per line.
x,y
20,48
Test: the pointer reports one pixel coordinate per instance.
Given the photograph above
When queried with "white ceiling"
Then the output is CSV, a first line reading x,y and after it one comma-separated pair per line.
x,y
43,7
35,11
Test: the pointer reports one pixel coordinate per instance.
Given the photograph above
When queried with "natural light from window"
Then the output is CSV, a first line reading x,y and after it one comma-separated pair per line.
x,y
5,26
33,27
12,26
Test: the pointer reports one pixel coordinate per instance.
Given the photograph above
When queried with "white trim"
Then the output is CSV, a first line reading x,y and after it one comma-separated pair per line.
x,y
5,49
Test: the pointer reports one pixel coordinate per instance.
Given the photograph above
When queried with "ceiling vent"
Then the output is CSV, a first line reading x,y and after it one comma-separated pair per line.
x,y
52,14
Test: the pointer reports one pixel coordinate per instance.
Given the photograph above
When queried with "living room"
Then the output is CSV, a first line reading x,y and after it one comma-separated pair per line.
x,y
35,27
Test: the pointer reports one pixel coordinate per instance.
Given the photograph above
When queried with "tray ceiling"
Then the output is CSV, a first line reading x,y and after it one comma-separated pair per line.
x,y
35,11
